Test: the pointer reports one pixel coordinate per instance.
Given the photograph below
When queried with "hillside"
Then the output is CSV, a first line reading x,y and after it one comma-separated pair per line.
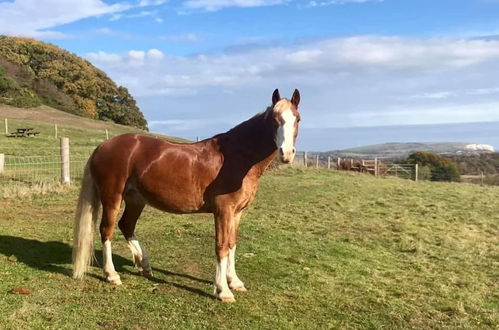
x,y
317,250
401,150
83,133
34,73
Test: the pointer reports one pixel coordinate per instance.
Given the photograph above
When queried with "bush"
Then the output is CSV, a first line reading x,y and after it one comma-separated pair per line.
x,y
12,94
441,168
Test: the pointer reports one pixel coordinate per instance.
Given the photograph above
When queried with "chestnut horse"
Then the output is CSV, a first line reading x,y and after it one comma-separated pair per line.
x,y
217,175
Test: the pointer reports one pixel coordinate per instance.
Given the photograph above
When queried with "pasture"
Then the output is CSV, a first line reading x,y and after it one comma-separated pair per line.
x,y
317,249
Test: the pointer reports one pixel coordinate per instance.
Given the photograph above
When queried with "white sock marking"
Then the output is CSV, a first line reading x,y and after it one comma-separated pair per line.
x,y
221,287
108,267
140,257
232,279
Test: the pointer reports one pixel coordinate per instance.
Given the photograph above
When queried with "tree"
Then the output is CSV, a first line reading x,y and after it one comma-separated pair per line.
x,y
35,72
441,168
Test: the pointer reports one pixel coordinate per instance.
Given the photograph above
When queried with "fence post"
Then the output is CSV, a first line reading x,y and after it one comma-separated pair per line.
x,y
6,127
2,163
481,177
305,160
328,162
339,163
376,166
416,169
107,134
65,176
317,161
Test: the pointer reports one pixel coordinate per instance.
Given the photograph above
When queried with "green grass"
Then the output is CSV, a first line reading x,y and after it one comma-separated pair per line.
x,y
324,249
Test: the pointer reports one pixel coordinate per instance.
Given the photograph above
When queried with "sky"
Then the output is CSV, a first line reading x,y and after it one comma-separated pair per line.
x,y
369,71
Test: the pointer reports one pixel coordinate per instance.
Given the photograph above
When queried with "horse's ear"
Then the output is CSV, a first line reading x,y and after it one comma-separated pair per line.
x,y
296,98
276,97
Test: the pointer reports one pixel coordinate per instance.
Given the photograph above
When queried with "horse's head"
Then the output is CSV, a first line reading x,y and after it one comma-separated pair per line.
x,y
286,117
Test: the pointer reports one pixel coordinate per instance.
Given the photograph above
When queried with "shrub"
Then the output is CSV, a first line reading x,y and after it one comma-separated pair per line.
x,y
441,168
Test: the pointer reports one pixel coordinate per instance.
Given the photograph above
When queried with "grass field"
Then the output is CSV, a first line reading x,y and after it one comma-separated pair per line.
x,y
318,249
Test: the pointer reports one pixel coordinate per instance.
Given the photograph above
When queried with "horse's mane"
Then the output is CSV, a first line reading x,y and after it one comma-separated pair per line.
x,y
250,126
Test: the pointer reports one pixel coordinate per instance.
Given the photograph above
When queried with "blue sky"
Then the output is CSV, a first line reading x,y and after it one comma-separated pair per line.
x,y
198,67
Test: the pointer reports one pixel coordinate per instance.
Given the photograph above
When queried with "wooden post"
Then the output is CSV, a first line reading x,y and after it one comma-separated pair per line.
x,y
55,130
6,127
416,170
481,178
339,163
376,166
305,160
328,162
317,161
107,134
65,176
2,163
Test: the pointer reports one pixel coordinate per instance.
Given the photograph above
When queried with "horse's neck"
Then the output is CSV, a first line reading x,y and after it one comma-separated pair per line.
x,y
252,142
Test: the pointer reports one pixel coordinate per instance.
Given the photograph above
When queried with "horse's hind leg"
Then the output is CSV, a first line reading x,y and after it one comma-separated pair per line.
x,y
134,204
110,210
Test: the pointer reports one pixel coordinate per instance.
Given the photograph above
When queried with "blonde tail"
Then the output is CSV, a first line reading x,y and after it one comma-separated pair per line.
x,y
83,231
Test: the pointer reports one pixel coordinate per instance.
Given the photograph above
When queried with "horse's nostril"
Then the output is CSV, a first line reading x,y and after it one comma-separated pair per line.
x,y
294,150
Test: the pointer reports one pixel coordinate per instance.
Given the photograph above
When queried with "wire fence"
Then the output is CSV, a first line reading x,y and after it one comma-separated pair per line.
x,y
37,173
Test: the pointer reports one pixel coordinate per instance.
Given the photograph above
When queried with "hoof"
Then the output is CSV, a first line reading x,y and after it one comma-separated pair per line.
x,y
240,289
114,280
146,273
227,299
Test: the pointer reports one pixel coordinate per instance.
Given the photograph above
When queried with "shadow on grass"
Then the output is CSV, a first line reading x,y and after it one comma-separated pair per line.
x,y
56,256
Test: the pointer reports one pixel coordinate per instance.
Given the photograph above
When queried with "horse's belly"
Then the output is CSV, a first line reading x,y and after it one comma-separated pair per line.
x,y
172,198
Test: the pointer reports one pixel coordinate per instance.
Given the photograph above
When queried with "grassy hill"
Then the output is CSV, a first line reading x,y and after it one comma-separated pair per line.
x,y
83,133
34,73
318,249
400,150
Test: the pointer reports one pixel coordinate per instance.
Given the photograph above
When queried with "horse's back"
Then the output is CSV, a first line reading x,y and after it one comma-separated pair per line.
x,y
169,176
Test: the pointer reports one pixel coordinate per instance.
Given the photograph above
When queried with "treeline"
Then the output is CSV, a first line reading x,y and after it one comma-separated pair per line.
x,y
474,164
34,73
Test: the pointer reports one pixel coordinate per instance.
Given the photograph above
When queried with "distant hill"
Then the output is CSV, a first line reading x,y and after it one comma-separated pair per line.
x,y
34,73
400,150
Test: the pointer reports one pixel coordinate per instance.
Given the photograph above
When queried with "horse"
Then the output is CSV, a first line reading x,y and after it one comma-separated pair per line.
x,y
218,175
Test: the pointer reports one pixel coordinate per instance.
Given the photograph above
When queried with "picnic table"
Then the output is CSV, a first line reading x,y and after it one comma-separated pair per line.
x,y
24,132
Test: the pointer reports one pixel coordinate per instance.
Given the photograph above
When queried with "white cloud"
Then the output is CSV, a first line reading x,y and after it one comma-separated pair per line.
x,y
103,57
155,54
187,37
365,80
33,18
214,5
337,2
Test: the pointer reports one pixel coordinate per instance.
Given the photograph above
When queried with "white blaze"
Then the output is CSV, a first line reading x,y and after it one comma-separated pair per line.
x,y
285,132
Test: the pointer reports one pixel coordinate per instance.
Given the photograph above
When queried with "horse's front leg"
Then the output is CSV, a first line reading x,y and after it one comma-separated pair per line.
x,y
223,224
233,280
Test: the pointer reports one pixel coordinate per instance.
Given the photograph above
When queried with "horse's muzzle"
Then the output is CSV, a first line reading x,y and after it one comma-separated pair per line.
x,y
287,157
